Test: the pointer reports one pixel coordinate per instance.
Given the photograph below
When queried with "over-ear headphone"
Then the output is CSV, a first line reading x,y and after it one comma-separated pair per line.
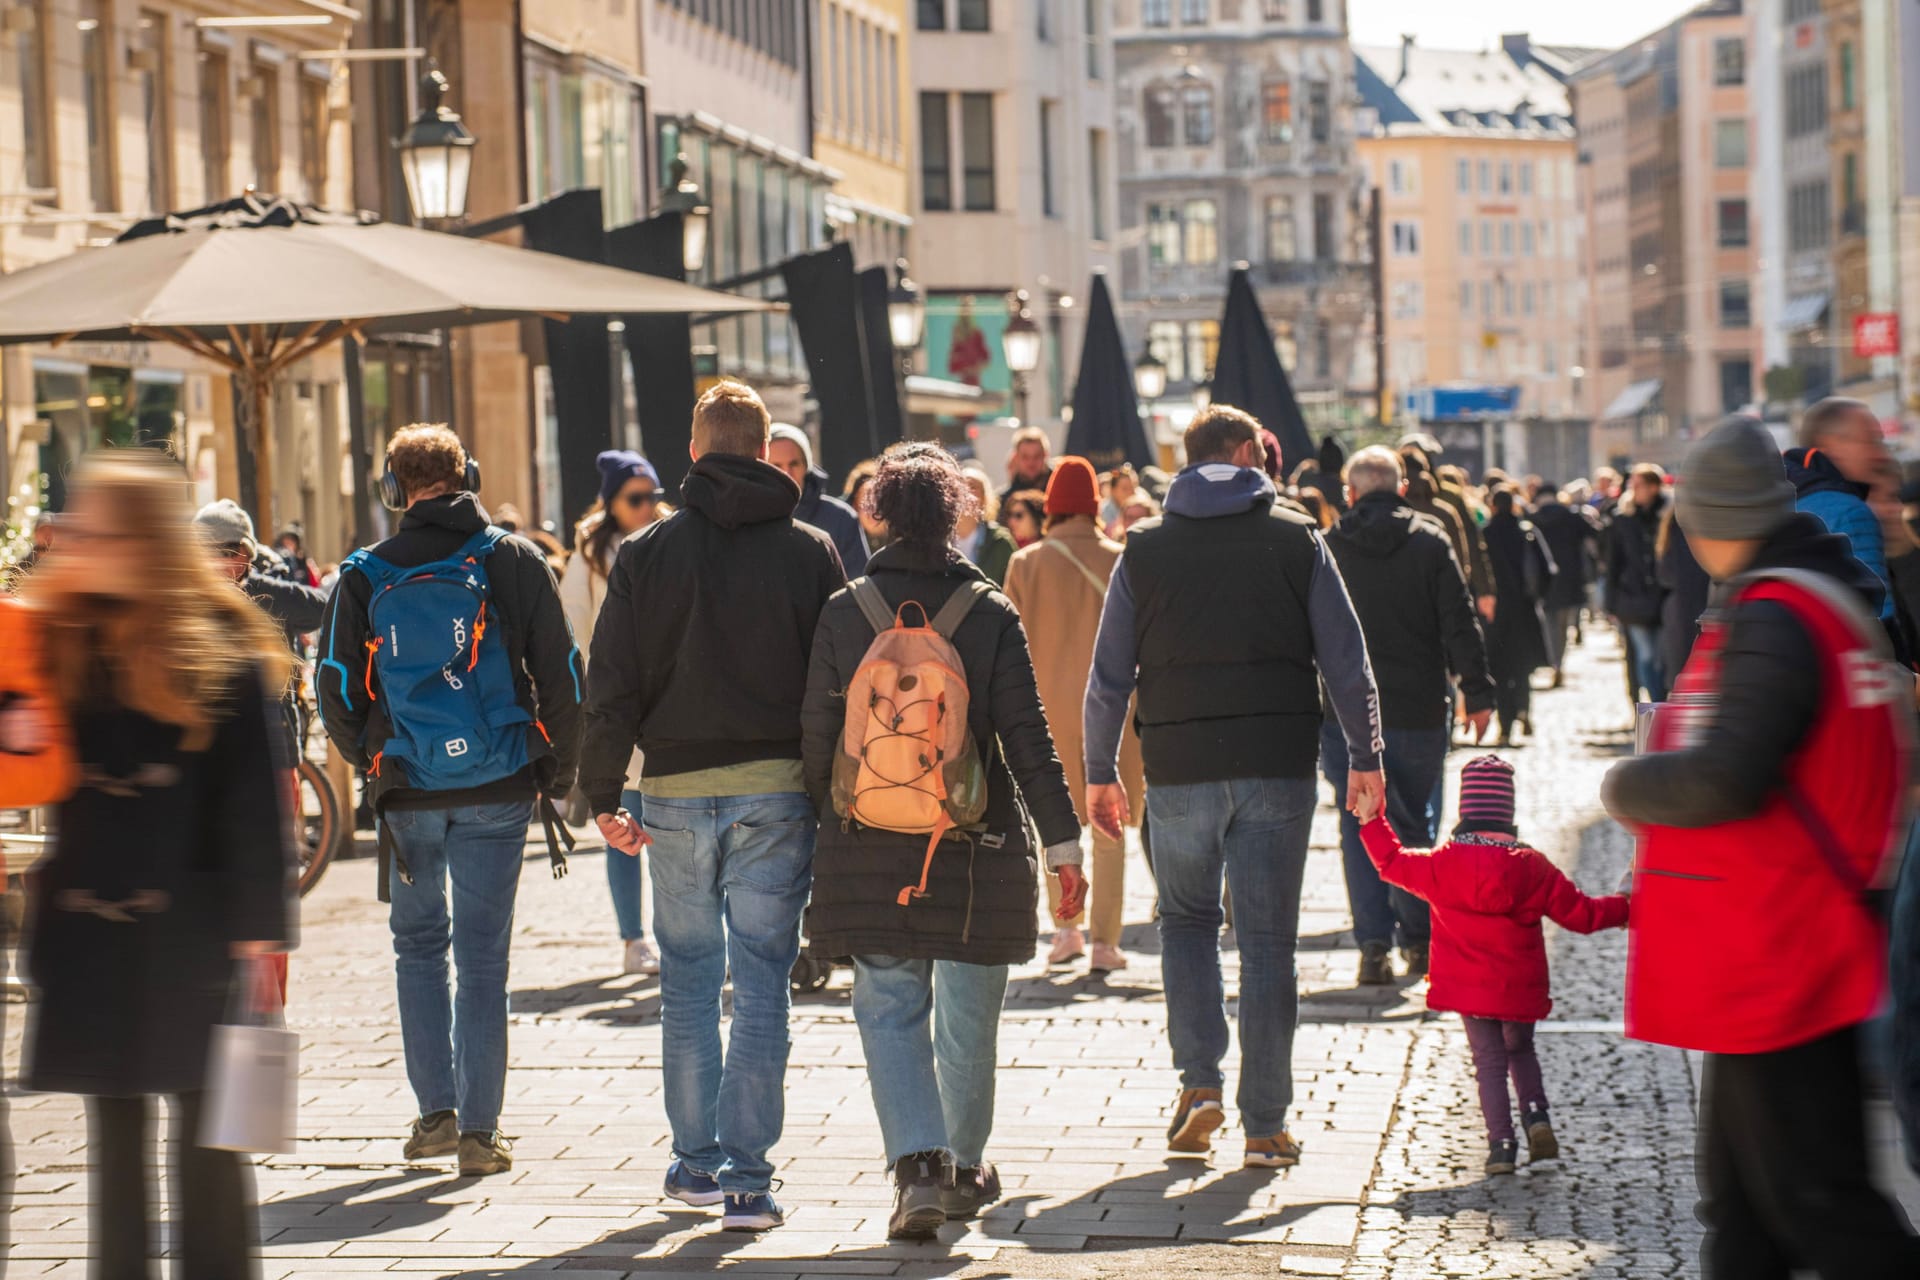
x,y
394,498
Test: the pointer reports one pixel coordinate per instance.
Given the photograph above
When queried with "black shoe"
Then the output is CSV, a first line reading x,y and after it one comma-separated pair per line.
x,y
1376,966
1416,958
1542,1144
919,1181
972,1190
1502,1155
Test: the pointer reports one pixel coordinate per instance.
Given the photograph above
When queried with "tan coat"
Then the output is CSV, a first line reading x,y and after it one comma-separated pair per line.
x,y
1060,607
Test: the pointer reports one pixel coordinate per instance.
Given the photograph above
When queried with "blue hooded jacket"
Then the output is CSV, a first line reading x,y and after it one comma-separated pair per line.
x,y
1841,505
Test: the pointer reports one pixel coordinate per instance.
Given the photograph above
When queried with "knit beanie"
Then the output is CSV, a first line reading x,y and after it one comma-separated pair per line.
x,y
617,466
1074,490
787,431
1734,484
1486,796
225,524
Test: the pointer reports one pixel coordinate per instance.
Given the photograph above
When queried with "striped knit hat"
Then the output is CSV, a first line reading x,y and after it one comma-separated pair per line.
x,y
1486,796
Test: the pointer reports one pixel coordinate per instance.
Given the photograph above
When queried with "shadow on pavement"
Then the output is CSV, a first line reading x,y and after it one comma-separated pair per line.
x,y
325,1215
625,998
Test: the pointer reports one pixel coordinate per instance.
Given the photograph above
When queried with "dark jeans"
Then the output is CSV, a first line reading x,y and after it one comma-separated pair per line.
x,y
1252,832
212,1194
1513,700
1415,764
1904,1067
1561,622
1783,1170
1503,1049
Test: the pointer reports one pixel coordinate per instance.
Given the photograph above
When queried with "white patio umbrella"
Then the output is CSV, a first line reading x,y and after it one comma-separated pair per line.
x,y
257,283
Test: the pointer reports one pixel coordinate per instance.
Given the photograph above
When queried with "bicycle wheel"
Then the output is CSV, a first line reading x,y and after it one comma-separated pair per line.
x,y
316,823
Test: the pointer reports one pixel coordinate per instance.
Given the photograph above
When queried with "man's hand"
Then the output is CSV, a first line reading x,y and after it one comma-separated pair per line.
x,y
1366,794
622,832
1486,607
1073,890
1107,809
1479,722
24,728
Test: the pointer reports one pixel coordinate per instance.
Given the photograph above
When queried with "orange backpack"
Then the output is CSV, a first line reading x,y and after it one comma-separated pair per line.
x,y
906,761
46,776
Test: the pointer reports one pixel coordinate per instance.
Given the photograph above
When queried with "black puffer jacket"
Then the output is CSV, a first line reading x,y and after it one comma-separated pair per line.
x,y
1634,593
980,904
1572,536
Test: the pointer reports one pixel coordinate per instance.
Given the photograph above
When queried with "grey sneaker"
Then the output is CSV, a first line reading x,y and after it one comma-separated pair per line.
x,y
482,1154
918,1181
972,1190
433,1135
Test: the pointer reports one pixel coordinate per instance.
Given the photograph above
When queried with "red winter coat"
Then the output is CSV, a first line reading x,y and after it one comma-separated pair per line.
x,y
1489,957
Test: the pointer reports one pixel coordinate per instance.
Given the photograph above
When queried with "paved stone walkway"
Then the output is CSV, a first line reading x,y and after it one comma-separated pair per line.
x,y
1390,1186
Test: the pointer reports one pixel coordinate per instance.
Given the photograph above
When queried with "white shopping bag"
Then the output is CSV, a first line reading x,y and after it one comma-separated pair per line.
x,y
253,1074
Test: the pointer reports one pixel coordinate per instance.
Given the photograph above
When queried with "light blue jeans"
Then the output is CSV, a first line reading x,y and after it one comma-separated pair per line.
x,y
456,1042
931,1032
1649,672
624,881
731,876
1251,832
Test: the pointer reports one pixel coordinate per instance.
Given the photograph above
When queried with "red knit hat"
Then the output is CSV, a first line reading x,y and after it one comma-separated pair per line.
x,y
1074,489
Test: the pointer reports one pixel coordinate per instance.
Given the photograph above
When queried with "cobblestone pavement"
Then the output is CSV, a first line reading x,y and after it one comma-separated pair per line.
x,y
1390,1186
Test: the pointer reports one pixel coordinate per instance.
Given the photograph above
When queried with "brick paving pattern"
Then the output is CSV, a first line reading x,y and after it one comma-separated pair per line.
x,y
1390,1186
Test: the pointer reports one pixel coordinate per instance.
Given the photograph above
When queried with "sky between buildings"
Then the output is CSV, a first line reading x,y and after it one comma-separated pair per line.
x,y
1474,24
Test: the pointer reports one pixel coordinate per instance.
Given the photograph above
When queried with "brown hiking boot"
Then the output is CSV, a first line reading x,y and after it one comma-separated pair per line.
x,y
1278,1152
482,1154
432,1136
1195,1116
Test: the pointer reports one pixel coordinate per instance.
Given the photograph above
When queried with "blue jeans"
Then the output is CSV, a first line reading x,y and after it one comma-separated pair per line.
x,y
624,882
731,876
456,1043
1649,672
1254,830
1415,764
931,1032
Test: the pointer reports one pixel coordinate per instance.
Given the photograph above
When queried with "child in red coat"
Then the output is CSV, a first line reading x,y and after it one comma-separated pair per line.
x,y
1489,892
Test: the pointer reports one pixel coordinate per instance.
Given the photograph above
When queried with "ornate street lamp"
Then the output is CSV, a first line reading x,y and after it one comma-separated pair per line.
x,y
1149,377
436,156
1020,345
682,196
906,312
1202,395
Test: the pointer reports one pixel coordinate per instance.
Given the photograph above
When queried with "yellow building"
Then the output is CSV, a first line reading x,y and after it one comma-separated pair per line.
x,y
862,111
1473,156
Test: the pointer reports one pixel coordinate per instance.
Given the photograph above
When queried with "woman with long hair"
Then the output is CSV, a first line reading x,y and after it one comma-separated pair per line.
x,y
941,952
1025,514
169,876
629,501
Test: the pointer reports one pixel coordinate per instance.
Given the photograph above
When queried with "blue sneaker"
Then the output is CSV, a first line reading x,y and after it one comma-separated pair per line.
x,y
751,1211
690,1186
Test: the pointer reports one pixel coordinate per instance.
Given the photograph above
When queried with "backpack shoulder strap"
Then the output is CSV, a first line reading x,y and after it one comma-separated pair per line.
x,y
482,544
958,606
871,603
1092,578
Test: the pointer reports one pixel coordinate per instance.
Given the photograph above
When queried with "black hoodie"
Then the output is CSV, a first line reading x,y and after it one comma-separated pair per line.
x,y
539,648
1768,696
700,654
1412,599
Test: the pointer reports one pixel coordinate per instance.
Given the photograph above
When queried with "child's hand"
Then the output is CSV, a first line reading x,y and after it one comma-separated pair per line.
x,y
24,728
1366,794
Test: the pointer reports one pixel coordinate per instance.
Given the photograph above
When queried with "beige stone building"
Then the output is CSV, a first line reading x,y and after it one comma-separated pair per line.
x,y
113,109
1473,156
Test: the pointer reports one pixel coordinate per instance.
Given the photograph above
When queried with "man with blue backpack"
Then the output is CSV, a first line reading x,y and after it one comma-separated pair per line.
x,y
448,674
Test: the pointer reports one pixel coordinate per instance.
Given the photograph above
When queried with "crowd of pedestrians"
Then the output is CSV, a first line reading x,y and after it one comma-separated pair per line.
x,y
883,720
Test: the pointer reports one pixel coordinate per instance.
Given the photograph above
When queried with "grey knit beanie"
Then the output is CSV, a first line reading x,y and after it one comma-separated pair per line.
x,y
225,524
1734,485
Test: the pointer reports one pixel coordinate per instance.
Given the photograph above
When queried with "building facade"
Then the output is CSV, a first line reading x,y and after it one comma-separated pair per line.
x,y
1013,118
1473,156
862,94
1235,131
114,109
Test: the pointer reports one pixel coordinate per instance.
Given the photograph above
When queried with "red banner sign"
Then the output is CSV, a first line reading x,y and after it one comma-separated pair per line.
x,y
1876,333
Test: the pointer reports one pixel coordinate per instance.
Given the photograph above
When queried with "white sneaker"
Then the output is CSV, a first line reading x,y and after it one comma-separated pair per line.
x,y
640,957
1069,944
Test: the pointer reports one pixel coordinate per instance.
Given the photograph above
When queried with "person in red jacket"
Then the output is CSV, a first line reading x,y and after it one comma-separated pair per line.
x,y
1489,893
1765,819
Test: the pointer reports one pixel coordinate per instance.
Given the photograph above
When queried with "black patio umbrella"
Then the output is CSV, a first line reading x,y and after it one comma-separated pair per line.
x,y
1247,373
1106,428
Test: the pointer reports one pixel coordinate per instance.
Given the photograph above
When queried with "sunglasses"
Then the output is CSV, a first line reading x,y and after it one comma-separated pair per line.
x,y
639,499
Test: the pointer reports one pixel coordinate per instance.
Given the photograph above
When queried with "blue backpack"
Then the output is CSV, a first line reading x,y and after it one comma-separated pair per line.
x,y
449,695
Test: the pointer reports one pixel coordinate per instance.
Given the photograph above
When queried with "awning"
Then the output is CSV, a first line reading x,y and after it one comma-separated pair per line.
x,y
1632,402
1804,312
944,397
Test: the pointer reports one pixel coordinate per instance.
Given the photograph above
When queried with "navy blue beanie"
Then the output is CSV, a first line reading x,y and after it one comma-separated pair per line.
x,y
617,466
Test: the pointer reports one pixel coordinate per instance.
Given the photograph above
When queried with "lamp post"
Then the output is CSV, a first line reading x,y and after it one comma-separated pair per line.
x,y
436,156
1149,383
1202,395
1020,344
682,196
906,321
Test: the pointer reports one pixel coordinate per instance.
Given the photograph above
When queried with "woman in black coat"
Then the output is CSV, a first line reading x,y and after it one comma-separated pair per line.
x,y
1517,645
942,955
169,877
